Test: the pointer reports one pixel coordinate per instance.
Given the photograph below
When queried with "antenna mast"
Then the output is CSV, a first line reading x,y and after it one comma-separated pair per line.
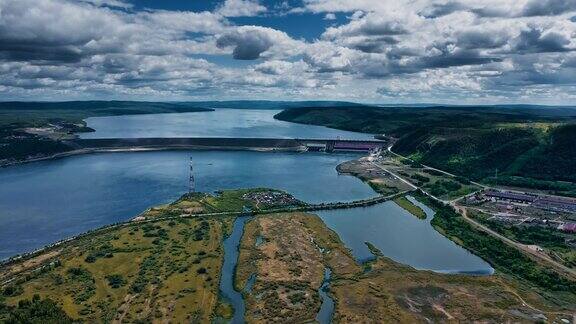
x,y
192,181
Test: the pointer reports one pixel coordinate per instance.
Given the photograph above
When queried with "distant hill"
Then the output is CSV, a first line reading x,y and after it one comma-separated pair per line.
x,y
39,113
531,146
175,106
265,104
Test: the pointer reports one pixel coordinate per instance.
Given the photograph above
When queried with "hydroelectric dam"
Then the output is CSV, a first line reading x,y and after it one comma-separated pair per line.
x,y
213,143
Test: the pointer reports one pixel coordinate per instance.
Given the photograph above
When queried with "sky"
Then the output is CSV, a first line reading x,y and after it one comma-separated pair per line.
x,y
377,51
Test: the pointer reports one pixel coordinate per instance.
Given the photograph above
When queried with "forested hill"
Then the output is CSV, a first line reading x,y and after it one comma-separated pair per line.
x,y
528,146
26,114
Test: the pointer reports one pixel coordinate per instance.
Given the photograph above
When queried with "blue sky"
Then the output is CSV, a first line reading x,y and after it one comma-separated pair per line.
x,y
405,51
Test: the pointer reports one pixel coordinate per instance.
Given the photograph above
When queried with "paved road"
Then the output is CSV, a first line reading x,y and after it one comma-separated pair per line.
x,y
395,175
560,267
432,168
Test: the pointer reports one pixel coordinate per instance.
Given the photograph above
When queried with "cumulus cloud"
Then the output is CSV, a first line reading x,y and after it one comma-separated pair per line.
x,y
370,26
330,16
533,40
436,10
247,45
250,42
450,48
548,7
241,8
110,3
41,30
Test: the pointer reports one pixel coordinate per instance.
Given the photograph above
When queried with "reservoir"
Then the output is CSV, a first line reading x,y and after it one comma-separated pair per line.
x,y
218,123
43,202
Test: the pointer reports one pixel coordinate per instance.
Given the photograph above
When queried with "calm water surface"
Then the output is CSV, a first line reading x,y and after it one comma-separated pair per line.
x,y
326,311
218,123
402,237
47,201
231,253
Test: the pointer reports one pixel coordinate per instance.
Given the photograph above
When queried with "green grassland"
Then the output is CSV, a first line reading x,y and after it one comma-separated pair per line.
x,y
535,146
153,271
410,207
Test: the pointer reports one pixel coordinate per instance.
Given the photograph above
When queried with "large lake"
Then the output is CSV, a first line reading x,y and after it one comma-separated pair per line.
x,y
218,123
46,201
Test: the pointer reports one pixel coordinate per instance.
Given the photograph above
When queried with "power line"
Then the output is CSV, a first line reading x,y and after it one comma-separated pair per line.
x,y
191,180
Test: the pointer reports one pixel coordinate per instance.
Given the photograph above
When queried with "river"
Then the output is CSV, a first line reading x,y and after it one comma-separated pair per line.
x,y
46,201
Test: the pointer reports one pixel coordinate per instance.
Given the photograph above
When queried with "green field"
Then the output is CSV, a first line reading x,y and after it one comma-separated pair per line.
x,y
162,270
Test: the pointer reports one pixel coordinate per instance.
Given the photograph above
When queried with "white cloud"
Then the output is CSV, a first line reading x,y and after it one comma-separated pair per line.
x,y
253,42
330,16
110,3
386,49
241,8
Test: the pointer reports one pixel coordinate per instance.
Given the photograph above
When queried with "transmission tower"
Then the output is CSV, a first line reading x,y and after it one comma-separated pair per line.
x,y
192,181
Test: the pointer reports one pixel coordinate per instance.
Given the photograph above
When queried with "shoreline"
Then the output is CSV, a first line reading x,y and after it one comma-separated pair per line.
x,y
134,221
88,151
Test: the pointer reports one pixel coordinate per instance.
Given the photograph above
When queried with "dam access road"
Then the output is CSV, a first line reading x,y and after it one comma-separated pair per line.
x,y
296,144
80,146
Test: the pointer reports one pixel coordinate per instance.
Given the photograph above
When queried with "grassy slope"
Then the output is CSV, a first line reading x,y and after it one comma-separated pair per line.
x,y
473,142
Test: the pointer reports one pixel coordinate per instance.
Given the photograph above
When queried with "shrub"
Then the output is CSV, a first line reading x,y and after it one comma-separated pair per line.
x,y
116,281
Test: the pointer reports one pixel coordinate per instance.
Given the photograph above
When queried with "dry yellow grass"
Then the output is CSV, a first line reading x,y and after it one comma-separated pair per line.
x,y
164,258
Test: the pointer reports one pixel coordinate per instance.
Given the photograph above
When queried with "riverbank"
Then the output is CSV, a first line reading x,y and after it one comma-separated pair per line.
x,y
226,204
147,149
295,248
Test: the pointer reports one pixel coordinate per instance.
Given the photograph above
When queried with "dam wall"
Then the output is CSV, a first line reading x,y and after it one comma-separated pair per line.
x,y
327,145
